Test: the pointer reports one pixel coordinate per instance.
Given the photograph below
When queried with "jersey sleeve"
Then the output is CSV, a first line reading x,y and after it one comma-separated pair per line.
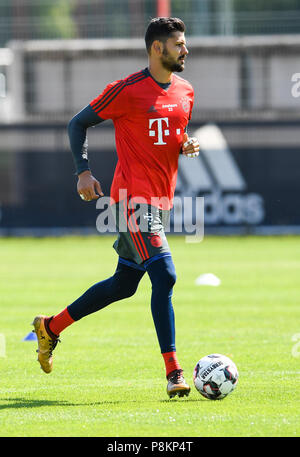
x,y
112,102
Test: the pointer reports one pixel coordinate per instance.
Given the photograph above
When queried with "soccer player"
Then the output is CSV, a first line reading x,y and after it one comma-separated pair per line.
x,y
150,110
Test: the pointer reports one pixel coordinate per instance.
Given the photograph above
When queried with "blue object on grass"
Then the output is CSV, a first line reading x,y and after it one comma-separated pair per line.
x,y
30,337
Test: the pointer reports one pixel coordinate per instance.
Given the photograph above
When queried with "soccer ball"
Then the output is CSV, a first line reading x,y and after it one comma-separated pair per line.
x,y
215,376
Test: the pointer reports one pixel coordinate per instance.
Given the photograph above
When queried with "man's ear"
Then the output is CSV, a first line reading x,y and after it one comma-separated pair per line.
x,y
157,47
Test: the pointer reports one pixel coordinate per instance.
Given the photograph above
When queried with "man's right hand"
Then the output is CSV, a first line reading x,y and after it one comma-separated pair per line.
x,y
88,187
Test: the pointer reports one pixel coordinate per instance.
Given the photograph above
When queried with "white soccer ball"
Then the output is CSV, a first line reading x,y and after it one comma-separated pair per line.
x,y
215,376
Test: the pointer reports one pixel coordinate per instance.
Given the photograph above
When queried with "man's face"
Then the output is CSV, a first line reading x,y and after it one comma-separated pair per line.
x,y
174,52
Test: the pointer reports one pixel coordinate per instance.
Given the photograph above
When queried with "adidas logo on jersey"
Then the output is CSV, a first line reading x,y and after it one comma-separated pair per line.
x,y
152,109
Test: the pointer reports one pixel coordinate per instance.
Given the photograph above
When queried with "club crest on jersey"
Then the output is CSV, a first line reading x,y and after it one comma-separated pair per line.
x,y
185,103
155,240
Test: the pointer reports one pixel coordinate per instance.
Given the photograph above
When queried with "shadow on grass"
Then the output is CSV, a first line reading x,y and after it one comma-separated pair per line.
x,y
15,403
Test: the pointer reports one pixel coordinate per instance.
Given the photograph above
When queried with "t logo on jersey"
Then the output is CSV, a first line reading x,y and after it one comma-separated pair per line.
x,y
162,122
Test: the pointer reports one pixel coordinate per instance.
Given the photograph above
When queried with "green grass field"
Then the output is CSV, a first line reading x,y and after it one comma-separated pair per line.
x,y
109,379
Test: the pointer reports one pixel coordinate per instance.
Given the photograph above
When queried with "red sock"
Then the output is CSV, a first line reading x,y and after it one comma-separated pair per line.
x,y
171,362
59,322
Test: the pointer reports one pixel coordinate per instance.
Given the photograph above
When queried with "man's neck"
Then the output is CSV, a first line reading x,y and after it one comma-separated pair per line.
x,y
160,74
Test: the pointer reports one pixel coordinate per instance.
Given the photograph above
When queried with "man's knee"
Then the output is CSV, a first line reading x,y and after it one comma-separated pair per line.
x,y
123,286
169,278
162,272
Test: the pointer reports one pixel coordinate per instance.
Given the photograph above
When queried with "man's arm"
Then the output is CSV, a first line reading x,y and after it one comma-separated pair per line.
x,y
88,187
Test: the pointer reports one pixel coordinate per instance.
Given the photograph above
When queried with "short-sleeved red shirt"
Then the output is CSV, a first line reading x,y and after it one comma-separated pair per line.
x,y
149,126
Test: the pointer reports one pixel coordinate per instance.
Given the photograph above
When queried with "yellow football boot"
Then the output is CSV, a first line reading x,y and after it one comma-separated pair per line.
x,y
177,385
46,344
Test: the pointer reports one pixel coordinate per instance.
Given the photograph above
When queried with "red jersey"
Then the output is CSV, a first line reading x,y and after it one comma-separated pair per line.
x,y
149,126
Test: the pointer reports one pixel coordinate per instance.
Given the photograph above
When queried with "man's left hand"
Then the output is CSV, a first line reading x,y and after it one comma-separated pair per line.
x,y
190,146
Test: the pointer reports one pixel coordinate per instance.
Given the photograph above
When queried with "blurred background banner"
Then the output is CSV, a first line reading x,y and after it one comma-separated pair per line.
x,y
56,56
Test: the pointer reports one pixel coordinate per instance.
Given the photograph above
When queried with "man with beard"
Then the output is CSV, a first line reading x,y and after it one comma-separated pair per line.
x,y
150,110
